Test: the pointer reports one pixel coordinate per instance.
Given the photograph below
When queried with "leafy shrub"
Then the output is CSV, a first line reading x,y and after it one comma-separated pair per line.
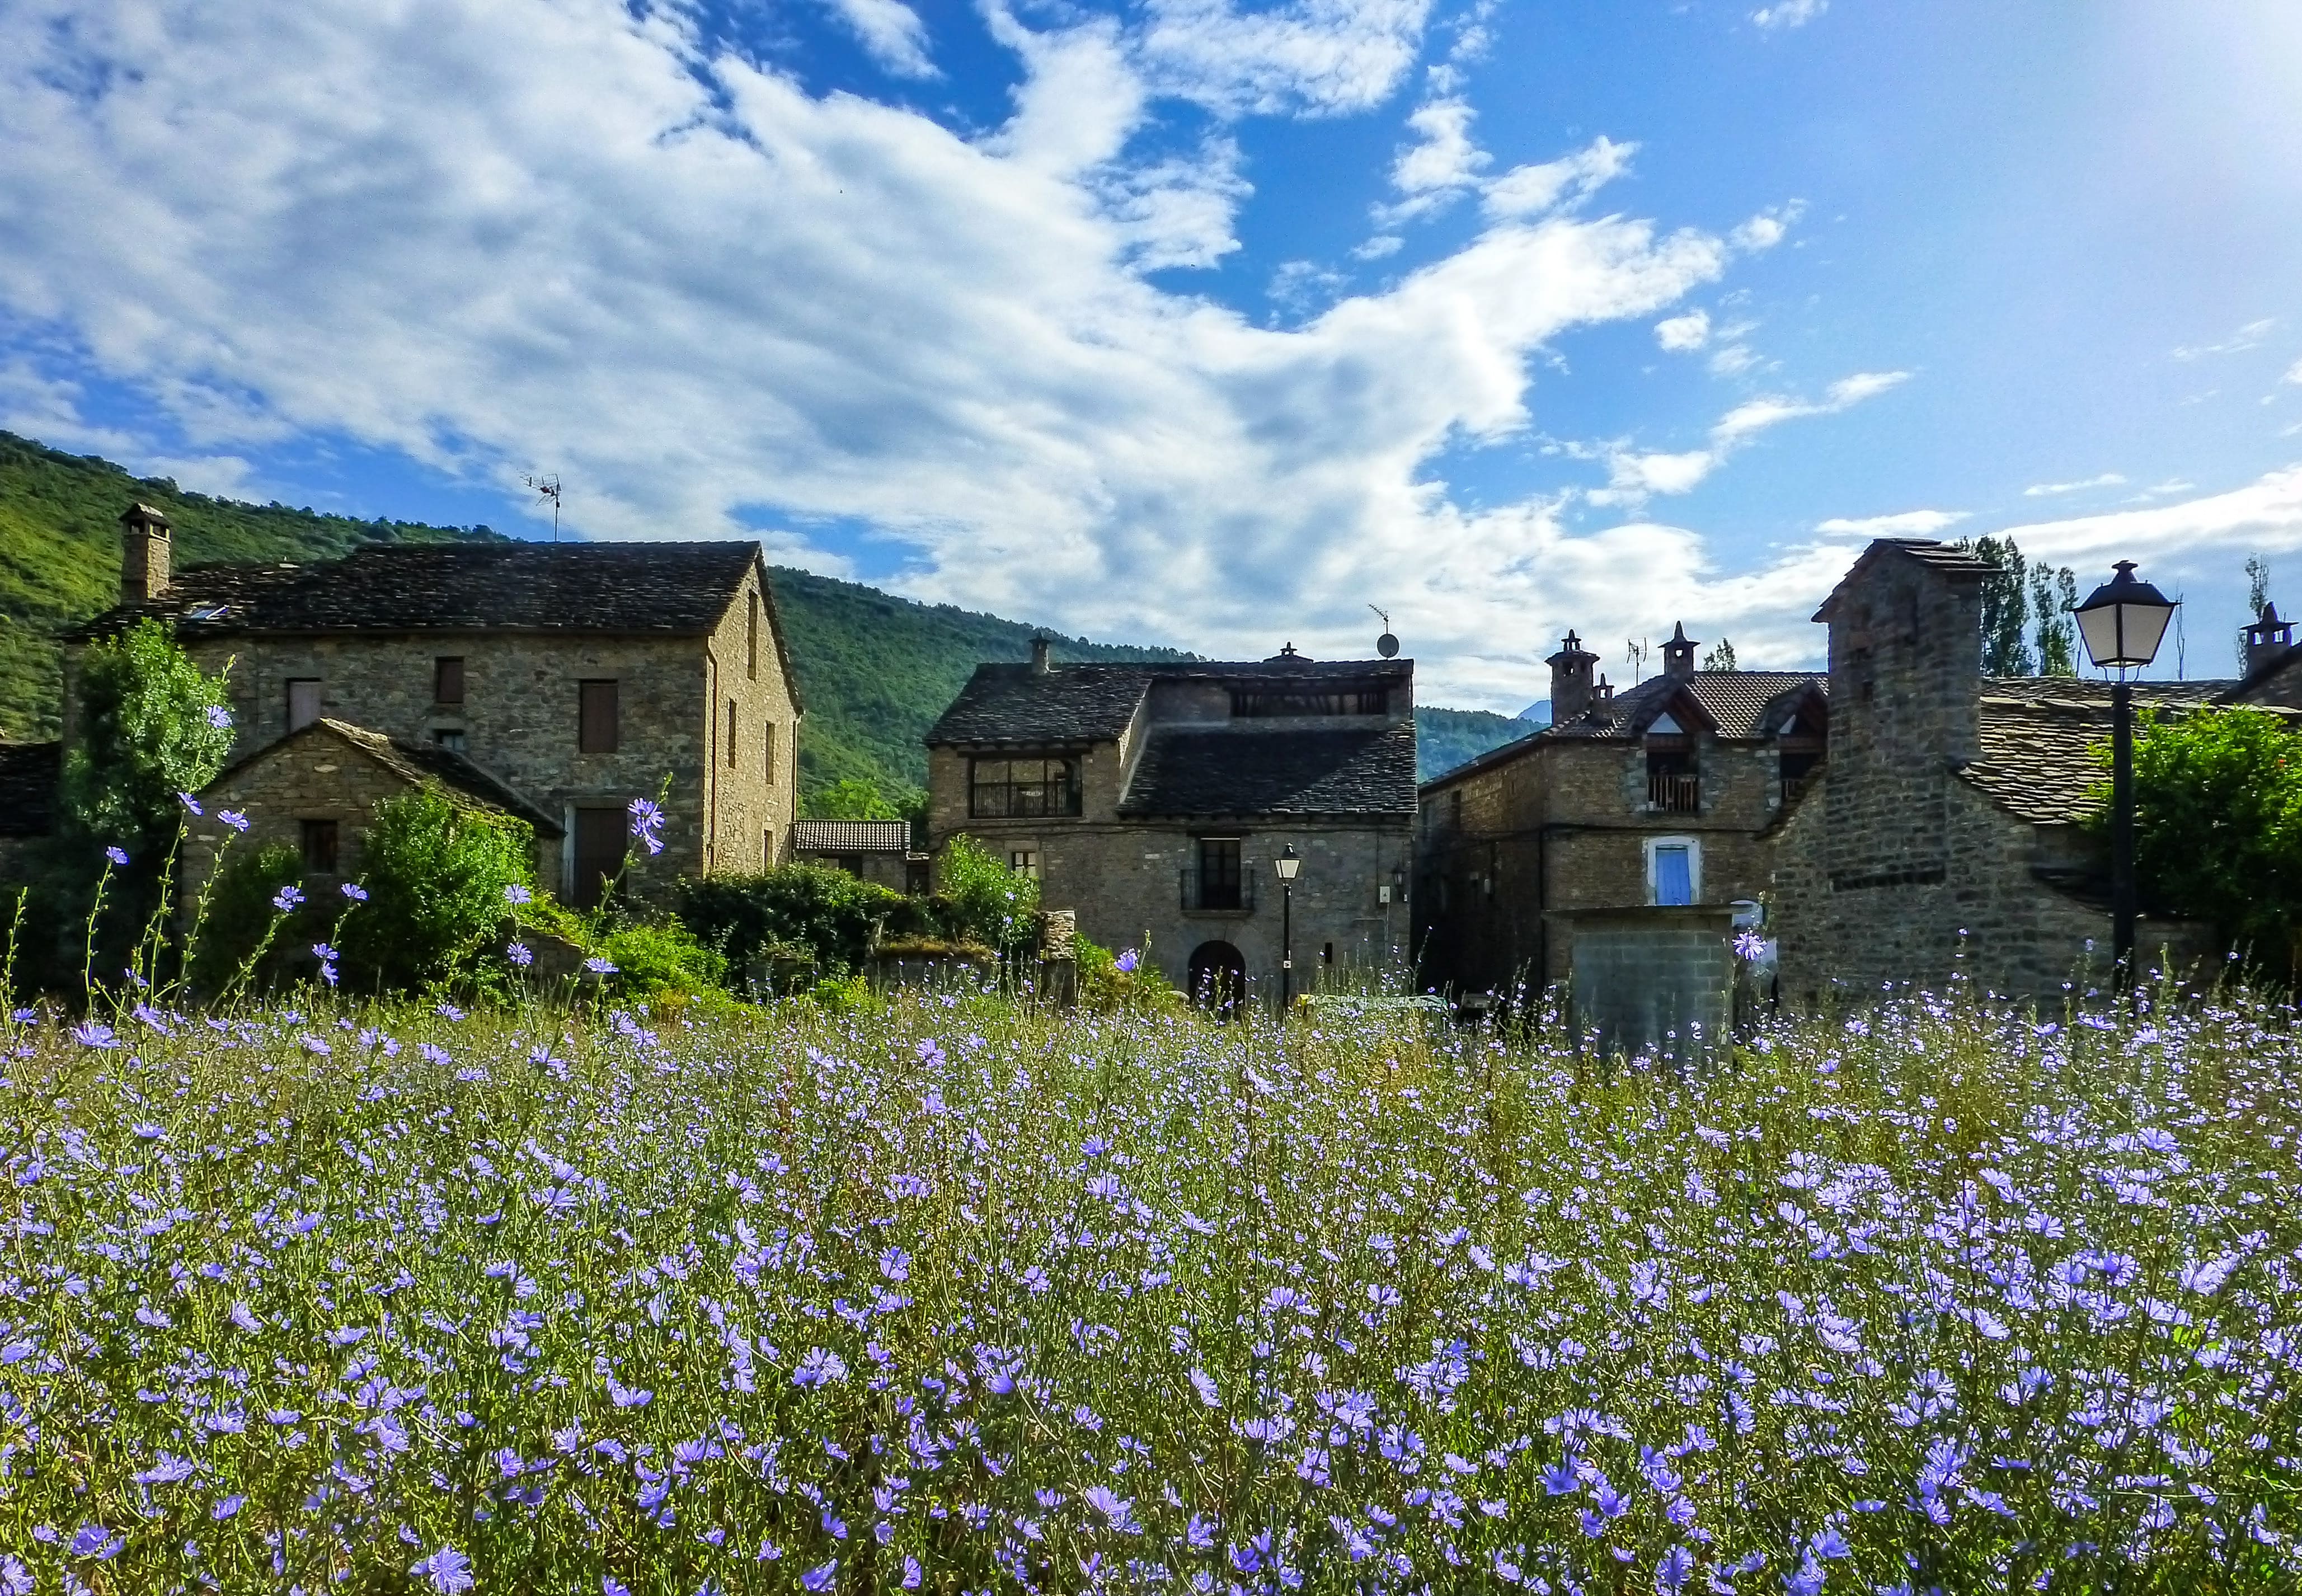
x,y
152,724
823,913
661,956
983,897
1128,981
239,916
2218,822
435,876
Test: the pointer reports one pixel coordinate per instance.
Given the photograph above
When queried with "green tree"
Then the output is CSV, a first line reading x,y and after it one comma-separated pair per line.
x,y
987,898
152,724
810,915
435,876
2053,594
1721,658
2218,823
2005,608
2257,594
851,798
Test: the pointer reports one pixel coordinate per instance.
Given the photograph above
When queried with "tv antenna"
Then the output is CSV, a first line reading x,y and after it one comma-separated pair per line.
x,y
1637,655
548,488
1386,645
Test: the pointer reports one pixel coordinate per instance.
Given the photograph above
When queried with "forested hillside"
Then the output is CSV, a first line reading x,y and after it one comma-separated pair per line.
x,y
875,669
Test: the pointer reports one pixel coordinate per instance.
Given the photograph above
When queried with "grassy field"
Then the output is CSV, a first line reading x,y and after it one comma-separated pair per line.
x,y
953,1295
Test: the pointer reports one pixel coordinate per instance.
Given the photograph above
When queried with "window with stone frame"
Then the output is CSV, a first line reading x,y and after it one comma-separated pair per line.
x,y
320,840
596,717
1674,870
303,701
1221,877
1007,787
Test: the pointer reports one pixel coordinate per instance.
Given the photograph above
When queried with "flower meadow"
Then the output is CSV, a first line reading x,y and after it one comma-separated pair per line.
x,y
953,1294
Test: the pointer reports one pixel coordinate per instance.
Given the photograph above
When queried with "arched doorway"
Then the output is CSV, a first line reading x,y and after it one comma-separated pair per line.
x,y
1217,980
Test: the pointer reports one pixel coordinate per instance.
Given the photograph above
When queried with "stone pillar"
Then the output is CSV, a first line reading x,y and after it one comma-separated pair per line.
x,y
1570,680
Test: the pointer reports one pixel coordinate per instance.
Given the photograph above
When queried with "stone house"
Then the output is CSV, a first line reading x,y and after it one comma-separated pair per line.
x,y
1613,845
572,677
316,788
1944,835
29,775
875,851
1155,799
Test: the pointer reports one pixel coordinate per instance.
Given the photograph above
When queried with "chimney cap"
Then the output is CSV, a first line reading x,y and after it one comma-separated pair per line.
x,y
140,512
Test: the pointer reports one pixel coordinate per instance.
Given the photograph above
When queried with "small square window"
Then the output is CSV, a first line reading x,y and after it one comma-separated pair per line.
x,y
1024,861
319,840
449,738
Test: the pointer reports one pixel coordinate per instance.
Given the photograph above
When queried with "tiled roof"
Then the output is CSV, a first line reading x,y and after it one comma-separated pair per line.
x,y
2039,738
1741,703
28,787
419,764
1093,703
1247,770
851,837
673,588
2261,675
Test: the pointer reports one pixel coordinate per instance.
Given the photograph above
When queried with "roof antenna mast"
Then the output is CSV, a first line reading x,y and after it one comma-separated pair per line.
x,y
548,488
1387,645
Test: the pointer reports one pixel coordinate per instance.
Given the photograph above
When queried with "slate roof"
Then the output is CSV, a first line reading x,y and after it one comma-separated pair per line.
x,y
28,787
851,837
419,764
1948,558
1248,770
2038,737
1742,704
1015,705
618,588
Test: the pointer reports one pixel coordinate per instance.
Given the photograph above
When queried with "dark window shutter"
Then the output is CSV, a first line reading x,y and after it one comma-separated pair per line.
x,y
599,845
447,680
595,731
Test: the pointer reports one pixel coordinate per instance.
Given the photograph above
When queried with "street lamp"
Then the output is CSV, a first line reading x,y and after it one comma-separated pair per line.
x,y
1288,862
2123,622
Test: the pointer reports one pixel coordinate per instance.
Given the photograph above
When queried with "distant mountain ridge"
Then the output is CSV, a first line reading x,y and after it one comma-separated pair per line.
x,y
875,669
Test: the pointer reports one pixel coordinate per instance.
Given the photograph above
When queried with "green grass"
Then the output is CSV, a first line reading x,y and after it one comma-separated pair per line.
x,y
1014,1300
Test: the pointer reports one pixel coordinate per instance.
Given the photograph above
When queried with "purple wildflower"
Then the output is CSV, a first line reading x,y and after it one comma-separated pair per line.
x,y
189,802
819,1579
233,818
1125,963
287,898
599,966
518,953
88,1033
448,1570
354,891
517,894
94,1541
219,718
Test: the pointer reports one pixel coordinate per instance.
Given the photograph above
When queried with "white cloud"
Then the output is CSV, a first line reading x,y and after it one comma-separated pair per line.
x,y
2294,374
2264,516
1534,190
1789,13
1317,55
1767,229
567,235
2248,337
1441,164
892,33
2108,479
1909,524
1680,333
1631,475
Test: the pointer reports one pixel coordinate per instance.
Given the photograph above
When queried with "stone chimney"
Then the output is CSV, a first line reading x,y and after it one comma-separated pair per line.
x,y
143,554
1039,642
1571,689
1678,654
2269,638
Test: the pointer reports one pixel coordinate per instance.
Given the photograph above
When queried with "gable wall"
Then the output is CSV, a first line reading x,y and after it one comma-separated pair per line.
x,y
752,806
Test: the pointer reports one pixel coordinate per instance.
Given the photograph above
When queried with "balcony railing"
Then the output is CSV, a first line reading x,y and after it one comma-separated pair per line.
x,y
1217,894
1675,795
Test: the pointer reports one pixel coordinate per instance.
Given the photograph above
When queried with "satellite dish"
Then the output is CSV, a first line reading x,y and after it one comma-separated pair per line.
x,y
1386,645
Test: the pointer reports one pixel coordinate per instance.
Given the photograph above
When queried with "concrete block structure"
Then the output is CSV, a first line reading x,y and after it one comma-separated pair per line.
x,y
575,677
1154,800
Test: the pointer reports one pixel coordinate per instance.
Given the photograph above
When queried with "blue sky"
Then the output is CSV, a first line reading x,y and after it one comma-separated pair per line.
x,y
1197,322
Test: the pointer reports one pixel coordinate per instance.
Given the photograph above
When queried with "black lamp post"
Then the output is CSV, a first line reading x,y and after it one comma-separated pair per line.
x,y
1289,863
2122,621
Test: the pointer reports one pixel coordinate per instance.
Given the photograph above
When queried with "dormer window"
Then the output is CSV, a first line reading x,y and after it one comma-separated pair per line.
x,y
1799,748
1672,788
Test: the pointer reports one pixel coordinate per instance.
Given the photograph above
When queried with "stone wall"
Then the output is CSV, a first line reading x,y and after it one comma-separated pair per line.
x,y
1123,880
317,776
1564,826
725,809
1657,981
